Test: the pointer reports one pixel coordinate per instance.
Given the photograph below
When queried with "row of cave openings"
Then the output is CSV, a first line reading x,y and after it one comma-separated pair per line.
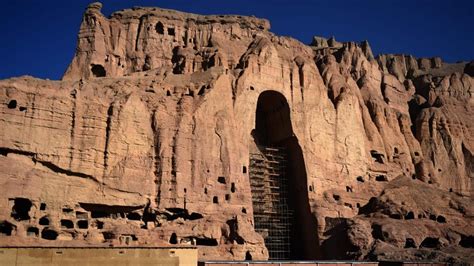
x,y
465,241
161,29
379,157
273,128
74,222
13,105
99,71
227,197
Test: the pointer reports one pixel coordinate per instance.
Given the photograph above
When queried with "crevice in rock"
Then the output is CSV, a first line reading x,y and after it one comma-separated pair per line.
x,y
134,216
291,85
148,63
468,161
299,62
178,61
378,233
248,256
337,244
396,216
5,151
156,156
51,166
233,233
414,109
369,207
108,211
174,148
149,215
140,26
60,170
110,112
73,126
202,90
172,214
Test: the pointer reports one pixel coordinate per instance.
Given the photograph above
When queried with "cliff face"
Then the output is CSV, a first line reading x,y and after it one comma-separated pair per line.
x,y
148,140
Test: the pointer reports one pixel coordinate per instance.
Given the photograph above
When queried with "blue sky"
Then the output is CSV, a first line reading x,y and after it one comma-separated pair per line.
x,y
38,38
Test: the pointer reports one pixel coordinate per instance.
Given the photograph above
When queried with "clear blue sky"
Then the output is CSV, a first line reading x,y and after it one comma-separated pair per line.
x,y
38,38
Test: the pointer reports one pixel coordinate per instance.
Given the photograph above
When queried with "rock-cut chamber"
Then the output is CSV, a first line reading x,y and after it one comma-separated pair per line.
x,y
278,182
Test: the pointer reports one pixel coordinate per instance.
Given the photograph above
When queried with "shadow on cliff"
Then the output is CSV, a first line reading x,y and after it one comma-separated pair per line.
x,y
305,242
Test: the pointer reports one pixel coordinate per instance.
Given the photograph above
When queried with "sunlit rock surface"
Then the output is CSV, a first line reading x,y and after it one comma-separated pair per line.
x,y
147,140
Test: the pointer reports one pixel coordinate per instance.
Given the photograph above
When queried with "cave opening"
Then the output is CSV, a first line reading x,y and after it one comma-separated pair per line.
x,y
160,29
49,234
278,183
98,71
21,209
6,228
68,224
32,231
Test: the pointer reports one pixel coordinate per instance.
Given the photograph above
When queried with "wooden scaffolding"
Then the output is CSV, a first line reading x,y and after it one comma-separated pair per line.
x,y
272,215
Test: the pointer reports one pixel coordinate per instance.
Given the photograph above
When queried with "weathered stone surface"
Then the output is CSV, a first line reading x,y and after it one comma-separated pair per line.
x,y
146,141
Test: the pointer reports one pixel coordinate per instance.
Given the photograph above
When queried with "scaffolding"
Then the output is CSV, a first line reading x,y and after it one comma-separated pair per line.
x,y
272,214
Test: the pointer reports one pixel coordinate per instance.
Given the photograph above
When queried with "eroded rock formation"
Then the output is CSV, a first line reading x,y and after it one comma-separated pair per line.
x,y
148,138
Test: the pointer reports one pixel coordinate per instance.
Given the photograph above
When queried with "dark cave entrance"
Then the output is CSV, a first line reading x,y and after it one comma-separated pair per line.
x,y
279,183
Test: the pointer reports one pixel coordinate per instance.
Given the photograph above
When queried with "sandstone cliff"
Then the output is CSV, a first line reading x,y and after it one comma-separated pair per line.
x,y
148,138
